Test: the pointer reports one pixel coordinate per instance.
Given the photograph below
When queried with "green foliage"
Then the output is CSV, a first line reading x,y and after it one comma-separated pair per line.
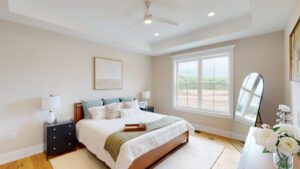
x,y
265,151
190,83
275,129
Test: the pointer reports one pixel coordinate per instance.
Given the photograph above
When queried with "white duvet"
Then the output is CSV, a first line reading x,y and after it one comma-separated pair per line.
x,y
93,134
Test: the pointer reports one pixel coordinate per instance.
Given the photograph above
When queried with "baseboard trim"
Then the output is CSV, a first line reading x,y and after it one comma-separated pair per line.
x,y
239,136
19,154
220,132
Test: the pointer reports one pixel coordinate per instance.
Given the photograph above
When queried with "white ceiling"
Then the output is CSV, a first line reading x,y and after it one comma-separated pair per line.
x,y
113,22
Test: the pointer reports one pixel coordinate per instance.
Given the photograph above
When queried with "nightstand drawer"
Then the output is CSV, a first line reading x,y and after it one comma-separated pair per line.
x,y
59,147
61,135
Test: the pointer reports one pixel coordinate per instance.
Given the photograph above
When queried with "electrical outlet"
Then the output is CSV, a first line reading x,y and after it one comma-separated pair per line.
x,y
13,135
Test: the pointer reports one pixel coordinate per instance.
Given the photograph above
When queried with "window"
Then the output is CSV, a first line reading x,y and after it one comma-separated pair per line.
x,y
202,82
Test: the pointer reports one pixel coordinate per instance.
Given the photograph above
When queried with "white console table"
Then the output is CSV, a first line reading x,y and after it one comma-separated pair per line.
x,y
253,158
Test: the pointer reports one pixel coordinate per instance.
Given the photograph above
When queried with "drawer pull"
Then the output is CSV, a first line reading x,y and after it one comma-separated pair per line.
x,y
54,148
70,134
70,125
70,144
54,137
54,129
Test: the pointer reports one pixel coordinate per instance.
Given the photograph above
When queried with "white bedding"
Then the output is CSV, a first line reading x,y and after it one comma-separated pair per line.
x,y
93,134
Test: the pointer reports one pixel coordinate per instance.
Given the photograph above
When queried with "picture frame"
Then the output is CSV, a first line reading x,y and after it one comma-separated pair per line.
x,y
295,53
108,74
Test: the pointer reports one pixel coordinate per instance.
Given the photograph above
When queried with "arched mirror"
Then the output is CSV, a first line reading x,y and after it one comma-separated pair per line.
x,y
248,106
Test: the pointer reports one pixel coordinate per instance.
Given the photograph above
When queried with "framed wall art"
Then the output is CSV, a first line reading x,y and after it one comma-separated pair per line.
x,y
295,53
108,74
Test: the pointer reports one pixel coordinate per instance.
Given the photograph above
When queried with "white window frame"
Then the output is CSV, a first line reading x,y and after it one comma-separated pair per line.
x,y
201,55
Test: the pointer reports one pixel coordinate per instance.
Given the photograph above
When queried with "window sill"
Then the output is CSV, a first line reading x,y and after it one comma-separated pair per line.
x,y
204,113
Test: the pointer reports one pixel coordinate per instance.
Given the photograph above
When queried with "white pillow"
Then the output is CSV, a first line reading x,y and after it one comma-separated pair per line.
x,y
132,104
112,110
98,112
127,112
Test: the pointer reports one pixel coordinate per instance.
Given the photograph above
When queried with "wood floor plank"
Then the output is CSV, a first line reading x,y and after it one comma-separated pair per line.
x,y
228,159
40,161
25,163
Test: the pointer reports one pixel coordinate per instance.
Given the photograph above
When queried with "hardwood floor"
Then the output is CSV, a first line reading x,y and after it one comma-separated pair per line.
x,y
227,160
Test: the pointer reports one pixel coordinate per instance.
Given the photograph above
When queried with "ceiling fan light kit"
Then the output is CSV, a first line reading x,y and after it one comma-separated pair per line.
x,y
148,19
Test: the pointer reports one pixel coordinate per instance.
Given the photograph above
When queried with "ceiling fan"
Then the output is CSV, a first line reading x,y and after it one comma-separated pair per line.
x,y
149,18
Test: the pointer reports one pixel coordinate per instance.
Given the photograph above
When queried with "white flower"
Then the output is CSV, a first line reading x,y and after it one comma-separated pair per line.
x,y
287,129
265,126
288,146
267,138
297,134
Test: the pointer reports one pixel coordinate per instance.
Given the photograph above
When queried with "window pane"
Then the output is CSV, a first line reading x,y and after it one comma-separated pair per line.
x,y
221,70
243,102
188,84
188,69
250,81
251,111
208,70
221,98
193,96
182,98
259,88
207,97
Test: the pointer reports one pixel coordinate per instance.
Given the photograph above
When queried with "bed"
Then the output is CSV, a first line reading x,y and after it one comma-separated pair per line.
x,y
145,151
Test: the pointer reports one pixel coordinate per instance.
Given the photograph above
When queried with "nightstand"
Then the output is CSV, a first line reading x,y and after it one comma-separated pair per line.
x,y
59,137
148,108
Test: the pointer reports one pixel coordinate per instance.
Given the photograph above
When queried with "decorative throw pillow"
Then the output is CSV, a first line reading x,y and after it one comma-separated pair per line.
x,y
127,112
132,104
110,101
86,104
112,111
98,112
126,99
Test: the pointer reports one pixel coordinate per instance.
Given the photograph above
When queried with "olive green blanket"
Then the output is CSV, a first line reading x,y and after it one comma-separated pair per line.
x,y
114,141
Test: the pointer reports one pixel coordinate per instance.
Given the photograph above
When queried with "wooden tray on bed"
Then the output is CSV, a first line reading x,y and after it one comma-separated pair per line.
x,y
134,127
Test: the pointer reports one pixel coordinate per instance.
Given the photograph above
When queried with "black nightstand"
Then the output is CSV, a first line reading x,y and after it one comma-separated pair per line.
x,y
148,108
59,137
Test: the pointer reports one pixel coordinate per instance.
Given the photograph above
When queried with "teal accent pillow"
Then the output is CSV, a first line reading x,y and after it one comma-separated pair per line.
x,y
126,99
86,104
109,101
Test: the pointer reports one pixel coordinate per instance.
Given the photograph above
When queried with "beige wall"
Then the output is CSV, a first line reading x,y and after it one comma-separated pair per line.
x,y
36,63
292,89
263,54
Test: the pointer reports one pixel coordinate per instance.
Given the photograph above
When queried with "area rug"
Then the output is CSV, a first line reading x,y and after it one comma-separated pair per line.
x,y
196,153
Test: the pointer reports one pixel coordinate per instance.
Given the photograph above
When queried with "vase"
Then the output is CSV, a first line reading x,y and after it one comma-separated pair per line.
x,y
282,161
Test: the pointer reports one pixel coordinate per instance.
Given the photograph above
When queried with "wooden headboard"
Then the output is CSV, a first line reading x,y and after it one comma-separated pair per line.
x,y
78,112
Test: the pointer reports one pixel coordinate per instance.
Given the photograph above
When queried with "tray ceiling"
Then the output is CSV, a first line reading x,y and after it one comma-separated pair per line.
x,y
114,22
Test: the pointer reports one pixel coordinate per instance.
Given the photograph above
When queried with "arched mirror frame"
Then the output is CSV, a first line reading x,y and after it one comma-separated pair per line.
x,y
257,120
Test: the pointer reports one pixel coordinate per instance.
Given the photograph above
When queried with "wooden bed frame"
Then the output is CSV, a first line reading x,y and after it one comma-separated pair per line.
x,y
153,157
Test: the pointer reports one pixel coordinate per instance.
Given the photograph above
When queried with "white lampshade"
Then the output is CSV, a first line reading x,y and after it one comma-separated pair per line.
x,y
146,95
51,102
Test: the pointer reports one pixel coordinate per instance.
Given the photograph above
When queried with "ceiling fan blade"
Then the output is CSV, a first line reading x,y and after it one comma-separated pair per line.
x,y
141,20
168,21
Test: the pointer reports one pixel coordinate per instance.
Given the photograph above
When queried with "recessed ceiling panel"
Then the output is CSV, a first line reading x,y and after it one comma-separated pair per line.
x,y
119,18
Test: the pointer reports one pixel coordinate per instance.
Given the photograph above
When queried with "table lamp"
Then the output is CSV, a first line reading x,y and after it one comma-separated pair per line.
x,y
146,96
51,103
